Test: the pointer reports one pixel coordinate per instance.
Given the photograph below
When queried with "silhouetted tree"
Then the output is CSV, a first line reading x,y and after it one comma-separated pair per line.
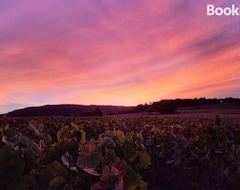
x,y
141,108
167,107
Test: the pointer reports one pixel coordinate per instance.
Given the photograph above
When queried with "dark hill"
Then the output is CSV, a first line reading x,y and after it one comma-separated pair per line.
x,y
68,110
162,106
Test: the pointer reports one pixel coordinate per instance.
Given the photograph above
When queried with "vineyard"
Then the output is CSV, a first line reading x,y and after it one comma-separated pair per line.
x,y
119,152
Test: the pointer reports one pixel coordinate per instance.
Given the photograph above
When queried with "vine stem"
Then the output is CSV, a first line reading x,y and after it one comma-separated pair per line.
x,y
69,177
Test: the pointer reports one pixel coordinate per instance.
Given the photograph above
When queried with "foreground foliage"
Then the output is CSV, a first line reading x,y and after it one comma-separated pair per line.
x,y
119,153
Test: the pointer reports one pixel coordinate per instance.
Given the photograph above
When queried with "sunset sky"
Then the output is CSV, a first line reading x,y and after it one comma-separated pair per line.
x,y
115,52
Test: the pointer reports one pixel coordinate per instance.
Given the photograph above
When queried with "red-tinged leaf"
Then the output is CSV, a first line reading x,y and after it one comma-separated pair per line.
x,y
100,185
119,171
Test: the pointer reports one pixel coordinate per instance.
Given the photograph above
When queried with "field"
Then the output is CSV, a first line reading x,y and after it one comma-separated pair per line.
x,y
139,151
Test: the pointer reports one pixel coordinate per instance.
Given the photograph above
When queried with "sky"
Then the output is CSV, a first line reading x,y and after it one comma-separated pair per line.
x,y
115,52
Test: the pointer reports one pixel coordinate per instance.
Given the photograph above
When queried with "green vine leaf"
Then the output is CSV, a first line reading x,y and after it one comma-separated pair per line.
x,y
11,165
57,183
120,135
62,134
145,159
133,180
56,152
89,161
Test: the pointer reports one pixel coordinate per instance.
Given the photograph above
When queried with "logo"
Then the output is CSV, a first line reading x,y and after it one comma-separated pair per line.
x,y
226,11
